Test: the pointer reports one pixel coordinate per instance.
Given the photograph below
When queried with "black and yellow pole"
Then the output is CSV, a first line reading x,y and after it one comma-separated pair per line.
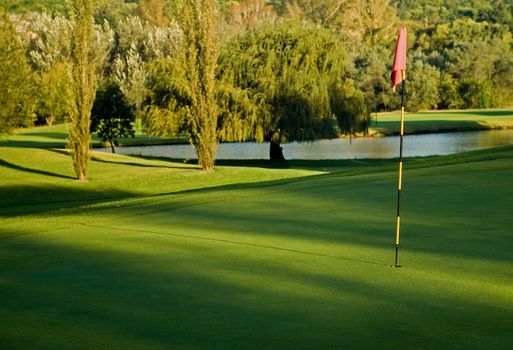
x,y
400,184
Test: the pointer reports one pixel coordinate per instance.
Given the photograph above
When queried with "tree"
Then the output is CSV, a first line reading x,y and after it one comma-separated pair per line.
x,y
112,116
449,95
16,95
183,88
139,42
200,44
292,75
154,11
83,86
327,13
423,81
372,22
373,76
247,14
478,56
53,95
49,41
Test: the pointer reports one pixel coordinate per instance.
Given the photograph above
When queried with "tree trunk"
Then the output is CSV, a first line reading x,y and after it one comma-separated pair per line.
x,y
112,146
276,151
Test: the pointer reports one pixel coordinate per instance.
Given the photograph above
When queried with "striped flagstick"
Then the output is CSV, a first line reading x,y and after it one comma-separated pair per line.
x,y
398,76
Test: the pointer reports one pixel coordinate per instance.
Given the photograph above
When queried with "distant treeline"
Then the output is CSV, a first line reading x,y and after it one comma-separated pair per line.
x,y
460,56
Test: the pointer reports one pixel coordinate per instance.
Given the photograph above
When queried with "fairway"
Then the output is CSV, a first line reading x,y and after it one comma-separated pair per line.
x,y
254,256
387,123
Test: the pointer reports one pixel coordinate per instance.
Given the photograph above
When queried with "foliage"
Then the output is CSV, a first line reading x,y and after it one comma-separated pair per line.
x,y
246,15
470,47
372,77
432,12
328,14
371,22
49,40
139,42
155,11
16,91
53,95
293,73
113,11
199,20
57,7
183,88
422,86
83,85
449,95
112,116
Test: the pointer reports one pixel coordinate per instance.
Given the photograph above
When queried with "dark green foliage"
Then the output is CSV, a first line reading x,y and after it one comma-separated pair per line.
x,y
53,95
422,83
430,12
449,95
294,73
16,88
112,116
476,93
372,77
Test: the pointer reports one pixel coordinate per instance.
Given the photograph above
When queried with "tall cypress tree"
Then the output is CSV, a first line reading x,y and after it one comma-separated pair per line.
x,y
83,86
201,50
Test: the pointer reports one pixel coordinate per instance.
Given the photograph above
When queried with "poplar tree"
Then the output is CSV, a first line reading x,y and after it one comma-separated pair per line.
x,y
83,86
199,21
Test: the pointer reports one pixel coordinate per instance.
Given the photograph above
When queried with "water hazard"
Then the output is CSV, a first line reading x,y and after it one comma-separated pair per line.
x,y
358,148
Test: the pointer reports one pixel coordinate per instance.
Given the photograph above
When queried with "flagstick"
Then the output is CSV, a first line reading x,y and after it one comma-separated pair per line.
x,y
398,223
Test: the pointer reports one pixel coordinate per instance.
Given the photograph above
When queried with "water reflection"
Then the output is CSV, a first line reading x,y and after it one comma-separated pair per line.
x,y
359,148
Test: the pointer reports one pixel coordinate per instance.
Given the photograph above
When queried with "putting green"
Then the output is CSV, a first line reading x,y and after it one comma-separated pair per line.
x,y
260,258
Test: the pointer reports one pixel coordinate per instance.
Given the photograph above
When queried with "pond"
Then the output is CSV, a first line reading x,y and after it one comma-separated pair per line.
x,y
358,148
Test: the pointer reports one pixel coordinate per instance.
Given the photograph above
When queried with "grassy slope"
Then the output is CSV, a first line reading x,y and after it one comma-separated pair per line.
x,y
443,121
274,258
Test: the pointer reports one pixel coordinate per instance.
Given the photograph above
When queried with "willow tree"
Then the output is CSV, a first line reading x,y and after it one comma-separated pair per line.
x,y
287,85
83,85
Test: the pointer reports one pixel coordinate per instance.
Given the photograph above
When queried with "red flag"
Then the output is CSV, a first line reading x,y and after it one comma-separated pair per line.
x,y
399,59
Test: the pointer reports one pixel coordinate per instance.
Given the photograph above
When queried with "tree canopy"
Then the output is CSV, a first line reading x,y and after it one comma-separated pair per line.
x,y
16,90
287,70
294,74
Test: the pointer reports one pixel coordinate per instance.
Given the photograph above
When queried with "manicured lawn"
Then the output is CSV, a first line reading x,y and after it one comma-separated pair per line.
x,y
153,254
443,121
55,136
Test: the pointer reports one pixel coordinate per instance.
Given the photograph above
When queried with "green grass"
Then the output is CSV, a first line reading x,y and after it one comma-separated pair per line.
x,y
154,254
55,137
443,121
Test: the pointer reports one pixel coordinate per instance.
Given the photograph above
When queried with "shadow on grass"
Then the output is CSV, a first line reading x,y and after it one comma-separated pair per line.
x,y
25,199
99,160
32,144
134,291
51,135
31,170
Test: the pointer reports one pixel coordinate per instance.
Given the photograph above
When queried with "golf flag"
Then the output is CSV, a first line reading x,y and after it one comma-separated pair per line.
x,y
398,76
400,59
